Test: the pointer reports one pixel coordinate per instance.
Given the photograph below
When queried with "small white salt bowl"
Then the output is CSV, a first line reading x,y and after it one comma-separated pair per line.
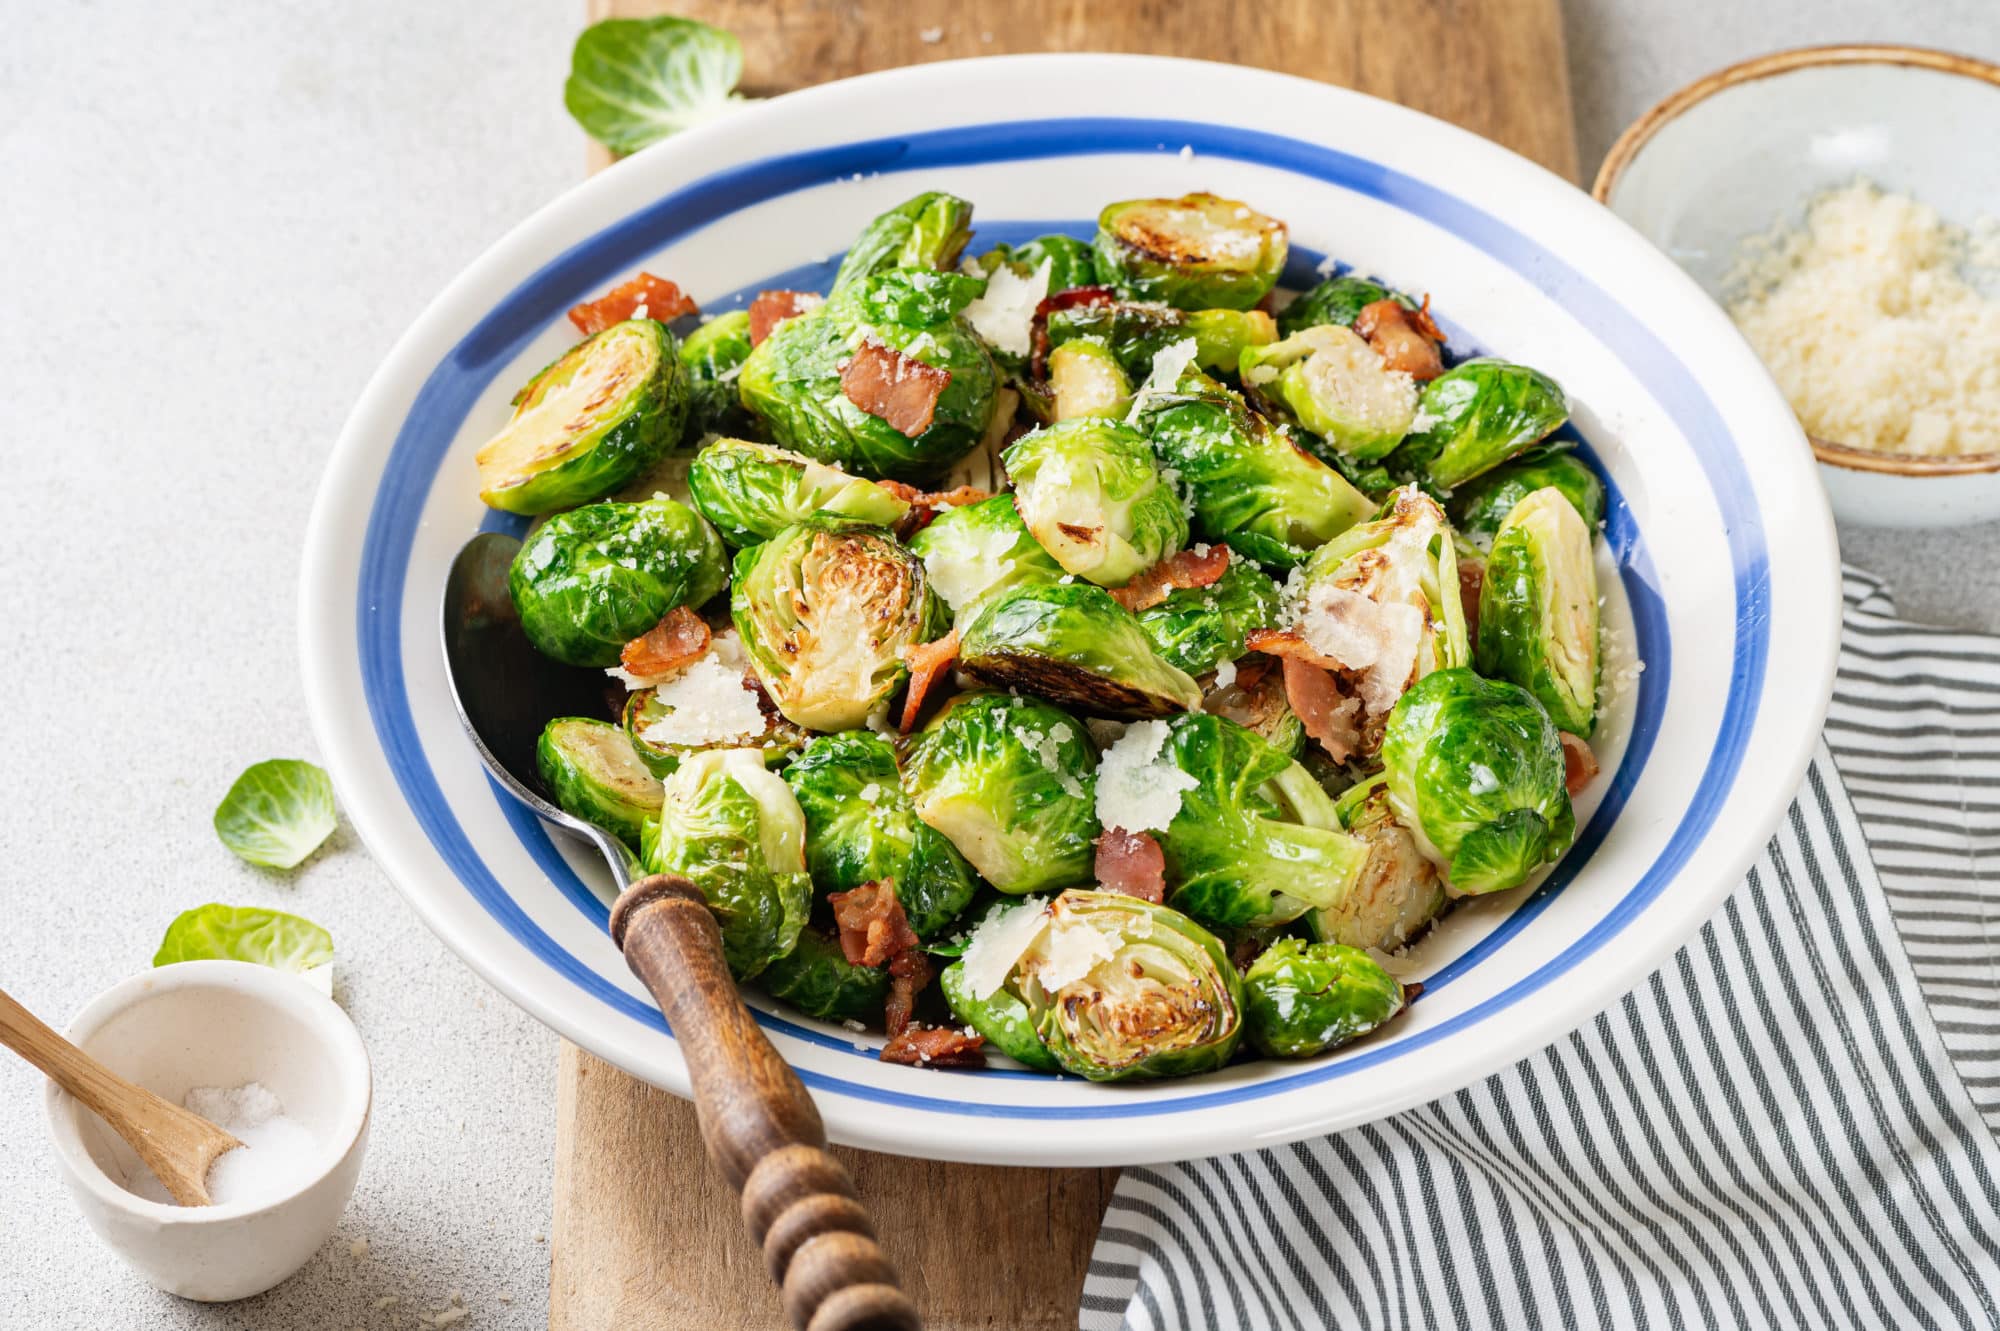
x,y
220,1024
1737,150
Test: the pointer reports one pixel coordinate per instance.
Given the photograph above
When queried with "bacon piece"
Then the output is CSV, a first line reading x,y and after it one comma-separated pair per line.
x,y
772,308
679,639
1403,338
1177,572
957,497
873,928
1132,863
1471,582
1330,714
899,390
660,299
925,505
1579,763
935,1047
909,973
928,662
1288,645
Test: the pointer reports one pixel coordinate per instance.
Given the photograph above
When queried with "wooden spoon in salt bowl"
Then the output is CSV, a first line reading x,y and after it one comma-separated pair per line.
x,y
177,1144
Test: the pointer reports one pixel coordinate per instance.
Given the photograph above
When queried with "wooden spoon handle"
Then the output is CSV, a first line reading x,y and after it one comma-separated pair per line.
x,y
761,1128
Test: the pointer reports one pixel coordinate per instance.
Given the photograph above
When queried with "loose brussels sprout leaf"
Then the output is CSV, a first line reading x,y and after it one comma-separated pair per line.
x,y
711,358
591,769
607,410
981,548
817,978
1070,642
927,231
1000,1016
1302,999
731,826
590,580
1012,782
825,609
1479,506
1538,610
633,81
1195,252
1198,628
1091,493
1398,894
751,492
1086,380
1336,301
862,828
1475,772
1475,416
1069,260
246,933
1335,385
1133,334
1256,841
277,812
1252,487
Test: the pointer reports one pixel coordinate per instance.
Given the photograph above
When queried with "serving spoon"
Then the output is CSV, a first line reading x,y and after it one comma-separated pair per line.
x,y
761,1128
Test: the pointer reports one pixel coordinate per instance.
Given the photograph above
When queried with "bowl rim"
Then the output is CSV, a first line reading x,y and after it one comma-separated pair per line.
x,y
1640,132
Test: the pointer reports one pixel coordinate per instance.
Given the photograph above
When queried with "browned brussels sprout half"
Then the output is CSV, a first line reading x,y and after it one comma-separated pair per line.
x,y
1071,643
1196,252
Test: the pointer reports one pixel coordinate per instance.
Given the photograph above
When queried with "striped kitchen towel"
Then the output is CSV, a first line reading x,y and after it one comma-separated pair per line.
x,y
1788,1126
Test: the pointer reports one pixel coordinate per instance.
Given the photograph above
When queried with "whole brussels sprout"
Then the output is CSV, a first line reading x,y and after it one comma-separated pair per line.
x,y
751,492
817,978
927,231
862,828
1475,771
1072,643
825,609
1336,385
1477,415
1198,628
711,358
591,770
1538,609
1336,301
1398,894
1091,494
1133,333
1012,782
1195,252
1087,380
590,580
1301,999
1069,260
600,416
981,548
731,826
1480,505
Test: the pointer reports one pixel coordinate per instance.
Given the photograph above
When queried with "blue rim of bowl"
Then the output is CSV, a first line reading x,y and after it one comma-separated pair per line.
x,y
499,337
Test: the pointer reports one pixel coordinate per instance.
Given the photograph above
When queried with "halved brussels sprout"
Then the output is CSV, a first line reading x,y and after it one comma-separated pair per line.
x,y
1475,772
711,357
731,826
1070,642
1195,252
862,828
1135,333
605,411
1069,260
1198,628
980,548
590,580
1091,493
1479,506
1301,999
1256,841
825,609
1475,416
1399,893
591,770
817,978
1335,385
751,492
661,745
1538,609
1012,782
1000,1016
1086,380
927,231
1337,301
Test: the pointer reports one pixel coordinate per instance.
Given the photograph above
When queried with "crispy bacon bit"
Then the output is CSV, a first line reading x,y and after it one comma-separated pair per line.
x,y
873,928
909,973
1579,763
1471,582
1290,645
772,308
1175,573
935,1047
925,505
894,388
679,639
1403,338
660,299
1330,715
928,661
1132,863
1248,945
1038,361
957,497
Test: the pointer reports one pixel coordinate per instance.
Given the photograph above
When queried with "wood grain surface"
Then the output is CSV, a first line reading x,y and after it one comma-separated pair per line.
x,y
644,1233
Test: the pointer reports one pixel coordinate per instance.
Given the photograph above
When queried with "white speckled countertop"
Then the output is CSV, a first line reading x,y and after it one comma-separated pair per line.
x,y
216,219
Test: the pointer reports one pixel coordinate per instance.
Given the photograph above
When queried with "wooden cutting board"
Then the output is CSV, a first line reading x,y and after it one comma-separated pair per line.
x,y
644,1235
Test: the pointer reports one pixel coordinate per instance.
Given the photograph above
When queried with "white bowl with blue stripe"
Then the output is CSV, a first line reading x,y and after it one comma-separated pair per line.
x,y
1719,555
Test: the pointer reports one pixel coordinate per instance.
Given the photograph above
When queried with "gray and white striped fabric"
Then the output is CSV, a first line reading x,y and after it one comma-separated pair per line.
x,y
1782,1128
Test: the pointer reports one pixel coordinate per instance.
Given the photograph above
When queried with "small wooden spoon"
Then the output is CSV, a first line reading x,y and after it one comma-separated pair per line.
x,y
177,1144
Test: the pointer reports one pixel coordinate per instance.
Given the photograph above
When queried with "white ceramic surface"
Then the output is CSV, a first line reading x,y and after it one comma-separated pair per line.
x,y
217,1023
1726,553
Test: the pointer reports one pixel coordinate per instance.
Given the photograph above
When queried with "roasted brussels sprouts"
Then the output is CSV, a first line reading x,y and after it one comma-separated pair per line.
x,y
1334,384
1198,628
825,609
817,978
1301,999
711,358
1336,301
981,548
1398,894
1475,771
1070,642
1069,260
1477,415
862,828
1011,781
751,492
605,411
1133,334
1091,493
1195,252
590,580
1000,1016
1085,379
927,231
1479,506
1538,609
731,826
591,770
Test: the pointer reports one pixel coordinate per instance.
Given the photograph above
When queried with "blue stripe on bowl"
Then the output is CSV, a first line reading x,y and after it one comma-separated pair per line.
x,y
501,336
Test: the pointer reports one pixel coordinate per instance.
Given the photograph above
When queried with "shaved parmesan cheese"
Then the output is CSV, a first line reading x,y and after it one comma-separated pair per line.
x,y
707,703
1138,787
1069,950
997,944
1377,641
1169,364
1005,314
